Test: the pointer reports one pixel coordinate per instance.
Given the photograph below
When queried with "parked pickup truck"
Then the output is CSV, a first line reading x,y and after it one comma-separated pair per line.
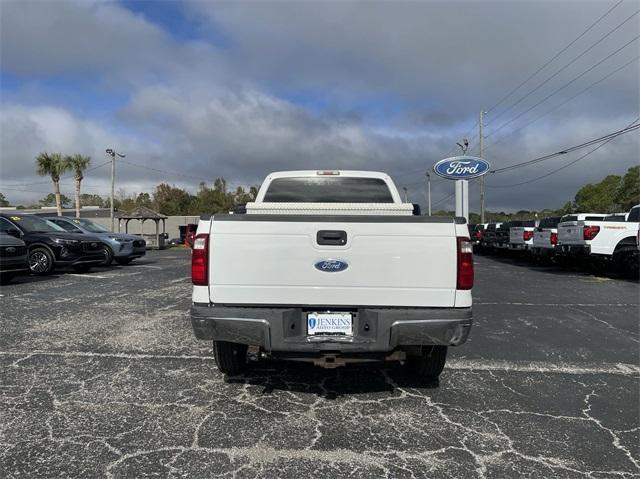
x,y
545,238
489,237
331,267
521,234
604,239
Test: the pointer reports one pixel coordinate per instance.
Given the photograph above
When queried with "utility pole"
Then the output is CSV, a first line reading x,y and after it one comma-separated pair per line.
x,y
405,194
482,156
428,191
112,154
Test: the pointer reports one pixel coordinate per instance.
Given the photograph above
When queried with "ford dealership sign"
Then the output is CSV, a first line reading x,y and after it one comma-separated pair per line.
x,y
461,167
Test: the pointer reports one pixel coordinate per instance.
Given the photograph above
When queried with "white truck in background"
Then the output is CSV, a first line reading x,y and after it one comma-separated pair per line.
x,y
604,239
545,238
521,236
331,267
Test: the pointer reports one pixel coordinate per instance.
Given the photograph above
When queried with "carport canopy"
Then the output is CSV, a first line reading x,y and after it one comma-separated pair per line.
x,y
142,214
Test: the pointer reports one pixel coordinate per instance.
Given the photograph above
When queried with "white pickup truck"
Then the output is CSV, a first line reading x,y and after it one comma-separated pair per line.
x,y
331,267
604,239
521,234
545,238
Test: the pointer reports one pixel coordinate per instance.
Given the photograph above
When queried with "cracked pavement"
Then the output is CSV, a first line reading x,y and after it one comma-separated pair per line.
x,y
100,376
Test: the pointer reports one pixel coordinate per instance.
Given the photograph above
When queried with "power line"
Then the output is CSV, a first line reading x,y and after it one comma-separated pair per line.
x,y
162,171
568,164
566,101
451,195
575,59
234,184
563,86
605,138
49,181
554,57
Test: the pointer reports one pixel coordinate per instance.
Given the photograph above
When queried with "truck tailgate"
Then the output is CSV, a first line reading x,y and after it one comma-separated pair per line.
x,y
542,239
392,261
571,233
515,235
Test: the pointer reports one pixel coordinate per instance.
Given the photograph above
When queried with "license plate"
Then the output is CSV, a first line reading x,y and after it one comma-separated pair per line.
x,y
339,324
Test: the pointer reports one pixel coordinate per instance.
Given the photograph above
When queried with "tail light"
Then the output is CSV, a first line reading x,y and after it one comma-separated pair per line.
x,y
527,235
479,234
465,263
554,239
590,232
200,260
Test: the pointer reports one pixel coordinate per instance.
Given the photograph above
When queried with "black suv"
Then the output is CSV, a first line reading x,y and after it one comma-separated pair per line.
x,y
50,246
13,258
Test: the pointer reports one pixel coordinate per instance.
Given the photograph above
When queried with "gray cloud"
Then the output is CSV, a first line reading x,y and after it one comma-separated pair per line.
x,y
401,83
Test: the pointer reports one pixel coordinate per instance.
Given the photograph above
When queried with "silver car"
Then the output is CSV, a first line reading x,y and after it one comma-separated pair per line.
x,y
121,247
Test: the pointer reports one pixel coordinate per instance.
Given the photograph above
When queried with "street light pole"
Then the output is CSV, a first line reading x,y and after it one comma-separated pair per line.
x,y
428,192
405,194
462,188
112,154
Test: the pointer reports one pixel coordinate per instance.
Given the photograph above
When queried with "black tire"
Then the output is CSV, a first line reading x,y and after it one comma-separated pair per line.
x,y
231,358
108,256
430,363
5,278
123,261
625,263
41,261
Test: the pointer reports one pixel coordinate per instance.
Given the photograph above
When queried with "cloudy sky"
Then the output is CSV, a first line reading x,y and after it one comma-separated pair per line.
x,y
199,89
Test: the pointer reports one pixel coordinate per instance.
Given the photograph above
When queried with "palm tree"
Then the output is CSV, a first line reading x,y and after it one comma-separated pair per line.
x,y
53,165
77,163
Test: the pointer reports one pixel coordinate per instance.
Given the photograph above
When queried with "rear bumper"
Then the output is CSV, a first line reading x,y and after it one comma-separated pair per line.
x,y
375,330
574,250
543,250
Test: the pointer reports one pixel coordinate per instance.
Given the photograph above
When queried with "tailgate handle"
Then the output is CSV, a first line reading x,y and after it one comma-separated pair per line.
x,y
331,237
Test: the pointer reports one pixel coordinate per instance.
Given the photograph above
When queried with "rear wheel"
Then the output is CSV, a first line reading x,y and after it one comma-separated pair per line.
x,y
40,261
625,263
231,358
430,363
123,261
108,256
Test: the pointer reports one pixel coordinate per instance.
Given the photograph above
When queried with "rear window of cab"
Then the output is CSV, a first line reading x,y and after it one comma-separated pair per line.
x,y
328,189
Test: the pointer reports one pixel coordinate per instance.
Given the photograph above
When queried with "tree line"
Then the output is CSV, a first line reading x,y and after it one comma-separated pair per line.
x,y
167,199
613,194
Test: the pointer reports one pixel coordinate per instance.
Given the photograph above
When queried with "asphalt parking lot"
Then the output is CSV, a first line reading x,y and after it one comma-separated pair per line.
x,y
101,376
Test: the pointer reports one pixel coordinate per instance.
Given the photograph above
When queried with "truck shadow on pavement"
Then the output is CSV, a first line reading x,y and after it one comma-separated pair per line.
x,y
557,269
353,379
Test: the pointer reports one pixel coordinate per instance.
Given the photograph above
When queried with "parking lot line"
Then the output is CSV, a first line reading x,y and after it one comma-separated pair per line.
x,y
180,280
618,369
89,275
608,305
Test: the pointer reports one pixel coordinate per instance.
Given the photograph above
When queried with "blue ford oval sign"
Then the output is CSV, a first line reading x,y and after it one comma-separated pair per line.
x,y
461,167
331,265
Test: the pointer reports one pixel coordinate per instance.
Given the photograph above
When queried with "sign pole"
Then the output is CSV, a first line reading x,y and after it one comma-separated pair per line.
x,y
462,199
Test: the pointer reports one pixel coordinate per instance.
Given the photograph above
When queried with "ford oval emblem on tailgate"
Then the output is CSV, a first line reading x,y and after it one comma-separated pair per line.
x,y
331,265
